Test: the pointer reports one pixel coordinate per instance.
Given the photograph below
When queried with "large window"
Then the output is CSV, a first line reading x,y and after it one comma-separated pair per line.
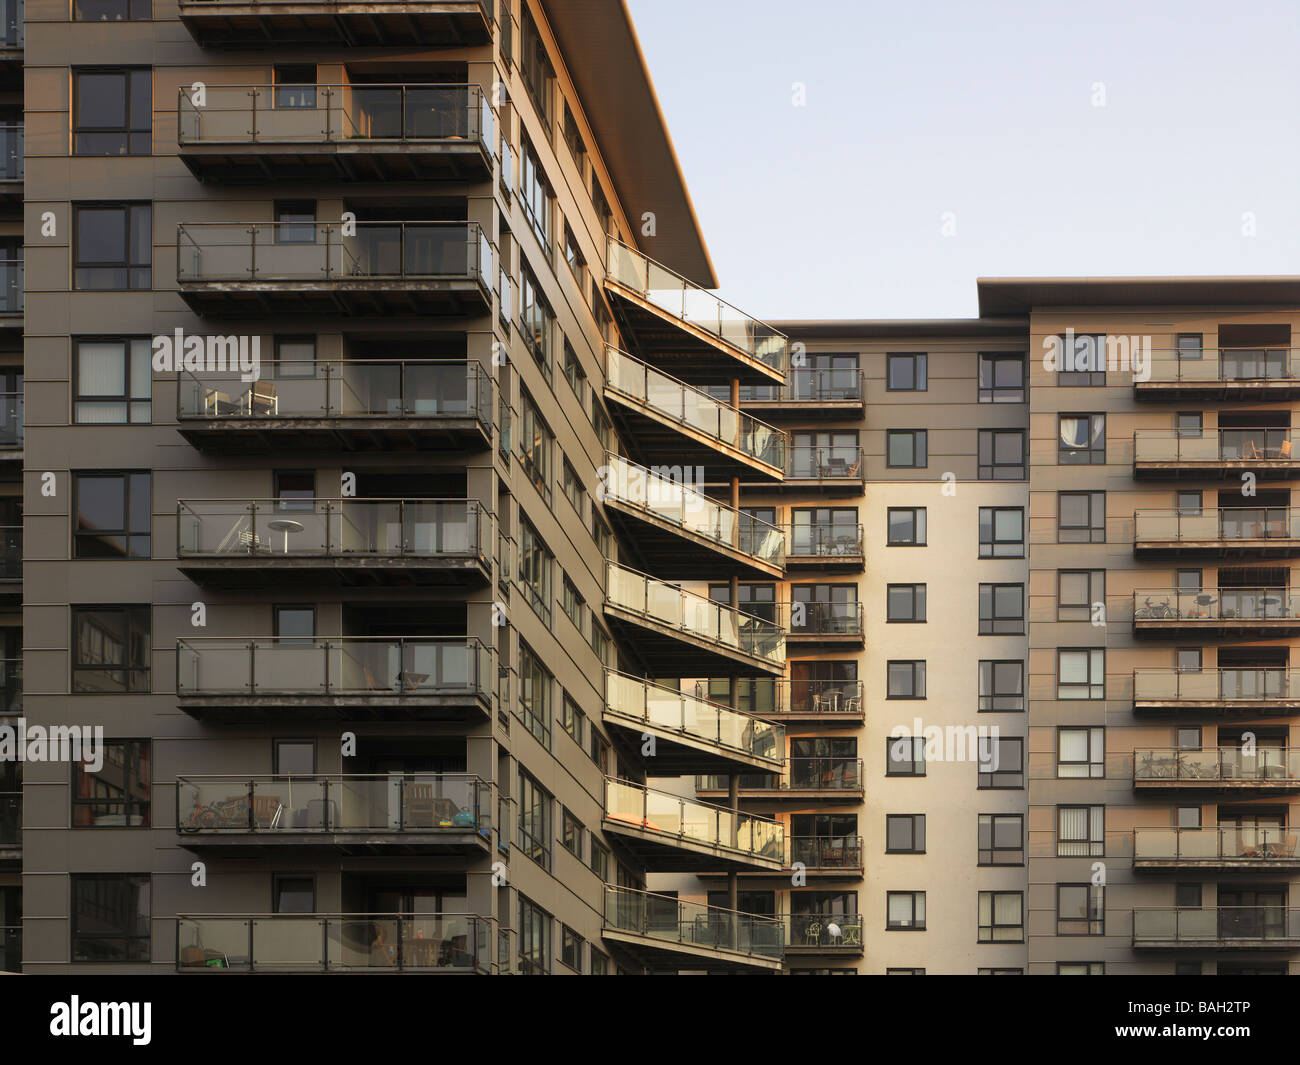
x,y
535,695
112,112
535,443
906,448
905,756
110,918
1002,609
535,562
1081,517
1001,917
117,795
536,321
535,65
1002,532
111,10
112,381
1001,762
113,515
1079,591
1081,673
535,194
1001,378
1080,910
1001,455
112,246
1081,831
534,820
534,939
1001,685
1001,839
110,648
1082,440
1081,752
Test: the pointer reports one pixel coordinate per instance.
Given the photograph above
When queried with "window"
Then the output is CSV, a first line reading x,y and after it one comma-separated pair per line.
x,y
535,194
1189,504
1001,917
1080,910
1078,591
110,918
112,112
573,490
294,625
906,373
1188,817
600,751
903,972
112,246
534,939
1001,762
600,860
113,515
906,526
1083,363
535,442
535,65
112,381
1189,346
1081,673
1081,831
293,758
1080,968
1002,609
1001,378
599,963
905,756
571,948
573,371
906,448
117,795
1188,738
574,257
571,833
110,648
571,718
1081,517
905,911
1187,659
534,695
294,489
293,894
295,221
1190,424
1001,685
600,642
111,10
573,138
536,321
1081,752
1001,455
535,562
1001,839
534,820
999,972
572,602
905,680
295,86
905,603
1002,532
1082,440
905,833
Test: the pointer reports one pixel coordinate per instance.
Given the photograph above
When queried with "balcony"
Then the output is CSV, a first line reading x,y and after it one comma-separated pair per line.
x,y
337,943
1227,532
13,159
675,324
1228,613
822,393
11,948
803,702
11,428
370,269
824,858
11,565
691,735
669,834
12,43
250,134
243,680
1252,848
832,470
826,779
664,934
11,293
422,813
1217,927
1250,690
814,933
354,23
1171,454
345,405
1273,769
661,417
681,533
827,623
11,829
1259,373
675,631
834,548
335,542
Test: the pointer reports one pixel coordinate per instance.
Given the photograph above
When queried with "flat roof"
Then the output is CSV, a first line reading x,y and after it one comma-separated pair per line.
x,y
870,328
1020,295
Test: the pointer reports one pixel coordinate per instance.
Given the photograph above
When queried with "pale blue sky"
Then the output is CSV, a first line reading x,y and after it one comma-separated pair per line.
x,y
982,108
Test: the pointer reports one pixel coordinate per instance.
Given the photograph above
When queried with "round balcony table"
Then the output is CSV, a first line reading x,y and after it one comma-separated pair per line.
x,y
286,526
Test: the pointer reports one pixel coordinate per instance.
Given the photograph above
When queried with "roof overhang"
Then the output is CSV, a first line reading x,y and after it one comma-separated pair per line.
x,y
1021,295
902,328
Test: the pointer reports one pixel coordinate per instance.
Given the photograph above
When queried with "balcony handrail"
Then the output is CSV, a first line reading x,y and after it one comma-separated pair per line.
x,y
822,534
781,687
1211,683
1262,443
825,462
1264,362
823,379
1216,763
1217,523
482,5
730,830
647,913
1267,603
1207,923
1244,842
833,777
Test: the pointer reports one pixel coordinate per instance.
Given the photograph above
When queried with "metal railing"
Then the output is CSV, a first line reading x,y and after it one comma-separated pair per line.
x,y
645,705
348,942
11,553
672,293
806,462
1226,765
412,668
11,286
1213,445
11,948
825,619
13,32
775,696
11,818
1215,604
807,385
1224,365
1238,843
829,932
827,852
11,420
1207,924
692,924
333,251
1222,523
334,528
824,541
12,152
812,773
670,815
1250,684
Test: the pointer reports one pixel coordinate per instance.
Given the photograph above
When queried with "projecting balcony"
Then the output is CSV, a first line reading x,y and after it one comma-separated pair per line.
x,y
1249,847
826,623
825,858
803,702
675,631
1250,690
1228,769
1171,454
1257,373
422,813
313,543
820,934
1218,928
832,470
449,943
691,735
12,162
663,419
675,324
663,933
354,23
820,393
370,269
1227,532
681,533
669,834
826,779
1225,613
298,133
243,680
834,547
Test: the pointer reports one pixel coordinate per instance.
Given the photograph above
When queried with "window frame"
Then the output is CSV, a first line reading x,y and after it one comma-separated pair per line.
x,y
988,548
993,469
918,368
919,530
133,613
919,444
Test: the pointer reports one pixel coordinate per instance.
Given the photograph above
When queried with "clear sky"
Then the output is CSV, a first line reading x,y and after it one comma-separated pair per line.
x,y
983,114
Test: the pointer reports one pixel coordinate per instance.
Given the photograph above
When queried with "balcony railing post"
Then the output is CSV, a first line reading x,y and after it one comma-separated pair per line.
x,y
252,826
325,811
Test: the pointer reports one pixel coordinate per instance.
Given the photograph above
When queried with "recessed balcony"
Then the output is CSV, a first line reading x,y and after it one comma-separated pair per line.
x,y
1217,927
833,470
675,631
243,680
310,543
354,23
1255,690
824,858
1172,454
12,43
13,159
11,564
826,623
452,943
662,418
11,294
1226,769
802,702
1216,612
232,134
11,829
665,934
1226,532
675,324
808,391
11,429
826,779
834,547
691,735
681,533
369,269
839,934
1253,848
1253,373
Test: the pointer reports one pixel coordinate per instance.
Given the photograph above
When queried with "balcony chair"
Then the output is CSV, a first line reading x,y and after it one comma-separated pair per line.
x,y
812,934
1284,452
263,399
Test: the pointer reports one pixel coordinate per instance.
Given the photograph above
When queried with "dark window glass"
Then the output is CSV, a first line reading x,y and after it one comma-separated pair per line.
x,y
295,894
110,918
906,526
112,246
1002,378
113,515
1001,454
117,796
113,112
907,372
906,448
1002,532
110,648
111,10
